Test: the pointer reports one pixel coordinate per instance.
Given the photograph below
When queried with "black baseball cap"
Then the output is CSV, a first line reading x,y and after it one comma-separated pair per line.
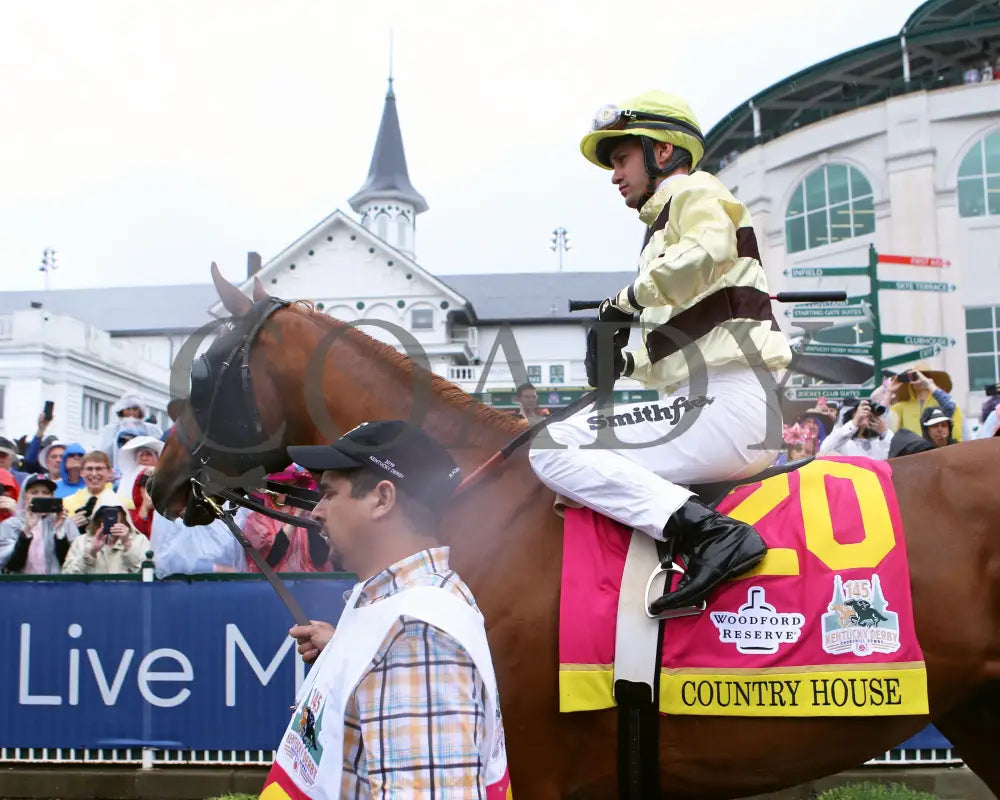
x,y
406,454
34,480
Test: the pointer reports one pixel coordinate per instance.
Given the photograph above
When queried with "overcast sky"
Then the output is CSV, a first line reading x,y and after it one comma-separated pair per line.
x,y
143,140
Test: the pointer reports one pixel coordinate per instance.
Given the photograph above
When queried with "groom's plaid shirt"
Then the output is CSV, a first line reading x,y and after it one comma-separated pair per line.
x,y
414,724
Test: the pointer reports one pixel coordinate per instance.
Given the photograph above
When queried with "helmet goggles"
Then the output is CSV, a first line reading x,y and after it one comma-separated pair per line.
x,y
612,118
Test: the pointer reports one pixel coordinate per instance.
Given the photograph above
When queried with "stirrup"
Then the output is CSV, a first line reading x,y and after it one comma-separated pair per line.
x,y
670,613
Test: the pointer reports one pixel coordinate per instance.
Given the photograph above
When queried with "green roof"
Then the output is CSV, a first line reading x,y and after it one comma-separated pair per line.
x,y
943,39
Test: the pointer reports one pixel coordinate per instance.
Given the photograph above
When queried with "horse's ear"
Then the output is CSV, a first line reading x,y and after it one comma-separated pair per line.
x,y
259,292
235,302
176,408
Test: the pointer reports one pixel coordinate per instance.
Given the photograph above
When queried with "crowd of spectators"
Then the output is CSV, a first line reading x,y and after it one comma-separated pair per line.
x,y
67,510
64,509
909,413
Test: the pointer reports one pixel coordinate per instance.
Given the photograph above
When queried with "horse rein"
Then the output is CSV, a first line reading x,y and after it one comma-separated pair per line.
x,y
593,397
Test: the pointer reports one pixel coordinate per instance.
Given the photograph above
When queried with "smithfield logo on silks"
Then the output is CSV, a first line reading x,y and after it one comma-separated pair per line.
x,y
302,743
858,620
757,626
651,412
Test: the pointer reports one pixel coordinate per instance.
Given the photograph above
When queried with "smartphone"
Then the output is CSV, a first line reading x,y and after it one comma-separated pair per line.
x,y
905,377
45,505
108,517
47,410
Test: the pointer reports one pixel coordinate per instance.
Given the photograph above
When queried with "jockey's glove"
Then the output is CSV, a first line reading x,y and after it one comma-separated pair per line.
x,y
619,362
609,312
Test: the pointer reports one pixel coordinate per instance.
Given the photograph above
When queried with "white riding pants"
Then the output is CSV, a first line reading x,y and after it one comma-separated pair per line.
x,y
631,463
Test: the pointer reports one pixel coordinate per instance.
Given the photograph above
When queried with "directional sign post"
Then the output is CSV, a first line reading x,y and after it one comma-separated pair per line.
x,y
867,306
913,355
825,272
821,349
829,391
899,338
912,261
917,286
838,311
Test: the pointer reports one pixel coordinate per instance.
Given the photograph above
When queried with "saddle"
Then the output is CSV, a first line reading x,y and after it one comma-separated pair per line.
x,y
711,494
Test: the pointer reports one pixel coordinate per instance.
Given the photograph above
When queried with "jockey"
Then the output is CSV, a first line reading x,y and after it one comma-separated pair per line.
x,y
706,323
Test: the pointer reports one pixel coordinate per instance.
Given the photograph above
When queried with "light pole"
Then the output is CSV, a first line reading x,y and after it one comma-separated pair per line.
x,y
560,243
50,262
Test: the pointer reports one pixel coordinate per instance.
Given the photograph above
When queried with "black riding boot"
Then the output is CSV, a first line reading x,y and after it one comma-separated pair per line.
x,y
715,548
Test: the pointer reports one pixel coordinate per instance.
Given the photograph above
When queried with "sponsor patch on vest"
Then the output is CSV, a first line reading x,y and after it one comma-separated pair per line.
x,y
858,620
758,627
302,743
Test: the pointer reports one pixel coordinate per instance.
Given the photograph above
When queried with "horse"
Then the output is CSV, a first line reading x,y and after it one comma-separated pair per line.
x,y
313,376
864,614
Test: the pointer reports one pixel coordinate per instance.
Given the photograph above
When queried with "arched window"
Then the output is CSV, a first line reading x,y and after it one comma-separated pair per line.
x,y
833,203
979,178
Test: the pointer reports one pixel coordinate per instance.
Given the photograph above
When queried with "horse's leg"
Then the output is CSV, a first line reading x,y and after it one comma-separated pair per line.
x,y
973,727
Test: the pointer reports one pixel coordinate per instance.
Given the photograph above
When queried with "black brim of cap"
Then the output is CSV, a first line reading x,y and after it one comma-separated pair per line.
x,y
321,457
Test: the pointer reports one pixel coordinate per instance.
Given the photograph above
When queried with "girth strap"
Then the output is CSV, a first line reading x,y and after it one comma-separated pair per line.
x,y
638,706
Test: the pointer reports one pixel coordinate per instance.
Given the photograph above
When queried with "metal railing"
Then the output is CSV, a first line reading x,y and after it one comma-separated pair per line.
x,y
147,758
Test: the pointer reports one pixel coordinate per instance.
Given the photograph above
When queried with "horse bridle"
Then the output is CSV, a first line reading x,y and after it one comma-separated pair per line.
x,y
238,436
242,438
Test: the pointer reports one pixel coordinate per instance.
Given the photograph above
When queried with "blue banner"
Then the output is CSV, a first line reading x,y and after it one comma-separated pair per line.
x,y
200,665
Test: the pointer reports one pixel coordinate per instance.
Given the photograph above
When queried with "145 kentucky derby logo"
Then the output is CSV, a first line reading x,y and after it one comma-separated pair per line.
x,y
302,743
858,620
757,627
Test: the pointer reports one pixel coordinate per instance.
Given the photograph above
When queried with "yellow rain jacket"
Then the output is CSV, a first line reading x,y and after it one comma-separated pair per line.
x,y
700,278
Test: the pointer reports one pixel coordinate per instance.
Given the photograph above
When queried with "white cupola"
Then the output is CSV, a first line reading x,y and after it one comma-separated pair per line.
x,y
388,203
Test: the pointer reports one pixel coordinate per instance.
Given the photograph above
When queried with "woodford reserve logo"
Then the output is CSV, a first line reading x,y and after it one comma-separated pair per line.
x,y
858,620
758,627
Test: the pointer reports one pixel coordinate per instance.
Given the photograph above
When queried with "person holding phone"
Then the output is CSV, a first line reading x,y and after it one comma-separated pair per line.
x,y
918,389
36,539
111,544
34,454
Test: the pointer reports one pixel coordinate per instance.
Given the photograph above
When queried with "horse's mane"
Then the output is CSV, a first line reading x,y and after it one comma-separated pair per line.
x,y
441,388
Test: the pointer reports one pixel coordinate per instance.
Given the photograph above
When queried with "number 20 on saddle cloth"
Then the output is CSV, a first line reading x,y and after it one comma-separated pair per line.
x,y
823,626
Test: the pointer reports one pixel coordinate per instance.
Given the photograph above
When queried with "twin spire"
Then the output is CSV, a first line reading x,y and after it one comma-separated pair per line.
x,y
388,178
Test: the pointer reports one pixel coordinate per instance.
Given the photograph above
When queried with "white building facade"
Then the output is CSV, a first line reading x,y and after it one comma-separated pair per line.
x,y
79,367
912,168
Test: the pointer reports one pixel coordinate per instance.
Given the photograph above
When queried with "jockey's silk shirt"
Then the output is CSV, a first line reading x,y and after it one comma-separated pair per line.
x,y
700,284
414,725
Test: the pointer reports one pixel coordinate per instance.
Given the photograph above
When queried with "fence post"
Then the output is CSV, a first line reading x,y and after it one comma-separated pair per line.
x,y
147,577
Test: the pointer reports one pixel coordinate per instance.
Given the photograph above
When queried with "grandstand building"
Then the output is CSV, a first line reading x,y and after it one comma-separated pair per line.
x,y
895,144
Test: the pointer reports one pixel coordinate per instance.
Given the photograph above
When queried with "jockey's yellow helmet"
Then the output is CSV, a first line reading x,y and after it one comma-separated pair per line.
x,y
657,115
